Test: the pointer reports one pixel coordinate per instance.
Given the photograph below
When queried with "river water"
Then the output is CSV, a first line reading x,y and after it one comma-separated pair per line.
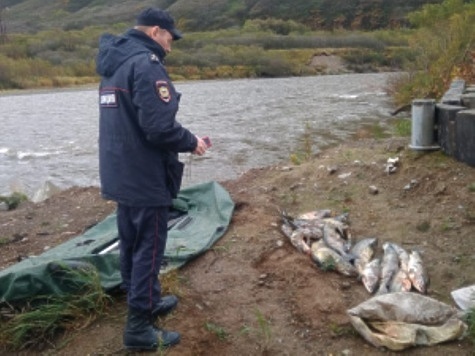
x,y
51,136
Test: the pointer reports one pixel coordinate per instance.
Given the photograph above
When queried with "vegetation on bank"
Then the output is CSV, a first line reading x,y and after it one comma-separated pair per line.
x,y
64,58
13,200
38,323
212,15
443,48
439,47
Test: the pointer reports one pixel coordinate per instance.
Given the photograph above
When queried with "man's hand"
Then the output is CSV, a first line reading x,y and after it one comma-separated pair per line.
x,y
201,147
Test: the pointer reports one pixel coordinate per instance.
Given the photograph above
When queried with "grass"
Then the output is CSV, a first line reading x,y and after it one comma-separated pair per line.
x,y
245,330
423,226
339,330
377,131
470,320
223,248
305,150
338,197
470,215
448,224
39,321
171,283
219,331
38,61
13,200
403,127
264,325
290,198
471,187
265,331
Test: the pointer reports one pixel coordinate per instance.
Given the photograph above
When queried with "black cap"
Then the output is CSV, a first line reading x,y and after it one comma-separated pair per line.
x,y
156,17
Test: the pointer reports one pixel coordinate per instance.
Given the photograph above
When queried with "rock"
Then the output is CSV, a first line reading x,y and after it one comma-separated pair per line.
x,y
391,165
332,169
373,189
344,175
45,192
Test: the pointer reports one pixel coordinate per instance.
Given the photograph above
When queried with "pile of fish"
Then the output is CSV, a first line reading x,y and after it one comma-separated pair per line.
x,y
327,240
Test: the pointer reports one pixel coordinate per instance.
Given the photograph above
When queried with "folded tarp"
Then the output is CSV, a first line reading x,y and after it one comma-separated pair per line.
x,y
205,213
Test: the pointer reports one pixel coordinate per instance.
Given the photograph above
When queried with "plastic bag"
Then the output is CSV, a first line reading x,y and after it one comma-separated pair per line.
x,y
464,297
401,320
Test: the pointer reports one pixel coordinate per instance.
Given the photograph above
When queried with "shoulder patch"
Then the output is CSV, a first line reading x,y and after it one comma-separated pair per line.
x,y
108,99
154,58
163,90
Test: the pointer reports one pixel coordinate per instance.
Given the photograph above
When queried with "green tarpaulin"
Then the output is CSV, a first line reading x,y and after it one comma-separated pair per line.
x,y
206,211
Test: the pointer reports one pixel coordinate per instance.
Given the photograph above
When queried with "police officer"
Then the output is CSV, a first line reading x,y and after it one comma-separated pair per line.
x,y
139,142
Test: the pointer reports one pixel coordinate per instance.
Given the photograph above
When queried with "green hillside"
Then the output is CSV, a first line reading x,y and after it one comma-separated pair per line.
x,y
53,43
192,15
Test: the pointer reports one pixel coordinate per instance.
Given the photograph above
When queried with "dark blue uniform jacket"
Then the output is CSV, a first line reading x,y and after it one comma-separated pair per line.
x,y
139,137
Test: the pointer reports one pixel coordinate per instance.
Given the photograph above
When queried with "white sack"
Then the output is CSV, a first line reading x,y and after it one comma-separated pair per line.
x,y
401,320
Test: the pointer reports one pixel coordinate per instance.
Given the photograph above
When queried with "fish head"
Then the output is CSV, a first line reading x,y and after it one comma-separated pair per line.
x,y
373,242
370,282
420,285
287,230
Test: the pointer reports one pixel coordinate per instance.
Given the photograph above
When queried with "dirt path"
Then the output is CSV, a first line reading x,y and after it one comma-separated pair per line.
x,y
253,293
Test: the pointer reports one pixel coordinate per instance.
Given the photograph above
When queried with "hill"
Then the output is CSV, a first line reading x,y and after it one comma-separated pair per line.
x,y
35,15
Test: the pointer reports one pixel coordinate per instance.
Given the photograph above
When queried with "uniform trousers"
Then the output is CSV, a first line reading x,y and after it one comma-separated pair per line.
x,y
143,237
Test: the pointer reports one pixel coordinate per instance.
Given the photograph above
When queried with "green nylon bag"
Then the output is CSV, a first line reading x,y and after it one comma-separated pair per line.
x,y
206,214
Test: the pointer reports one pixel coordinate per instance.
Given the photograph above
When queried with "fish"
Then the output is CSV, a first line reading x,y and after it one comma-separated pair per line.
x,y
417,272
328,259
297,238
403,257
287,219
296,235
400,282
299,241
336,235
363,251
302,222
344,218
301,237
315,215
389,267
318,245
287,230
371,274
312,234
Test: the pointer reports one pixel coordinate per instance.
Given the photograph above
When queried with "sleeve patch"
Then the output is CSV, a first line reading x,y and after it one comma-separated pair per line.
x,y
108,99
163,91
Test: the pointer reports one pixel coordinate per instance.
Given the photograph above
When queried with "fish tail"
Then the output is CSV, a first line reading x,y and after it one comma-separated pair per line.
x,y
287,219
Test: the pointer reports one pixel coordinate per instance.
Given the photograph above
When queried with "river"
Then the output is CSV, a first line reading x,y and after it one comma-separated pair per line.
x,y
51,136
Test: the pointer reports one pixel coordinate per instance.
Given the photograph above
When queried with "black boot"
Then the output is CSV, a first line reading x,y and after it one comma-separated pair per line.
x,y
166,305
167,338
139,333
